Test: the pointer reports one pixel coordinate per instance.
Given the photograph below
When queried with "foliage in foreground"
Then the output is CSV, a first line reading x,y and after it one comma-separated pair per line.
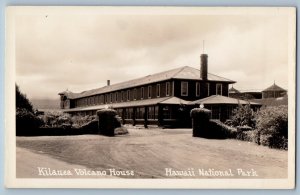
x,y
243,116
272,126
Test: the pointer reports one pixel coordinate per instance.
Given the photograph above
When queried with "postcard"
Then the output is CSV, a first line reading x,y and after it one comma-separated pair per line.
x,y
150,97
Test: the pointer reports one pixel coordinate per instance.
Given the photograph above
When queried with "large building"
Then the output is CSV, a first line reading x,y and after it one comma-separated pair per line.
x,y
160,99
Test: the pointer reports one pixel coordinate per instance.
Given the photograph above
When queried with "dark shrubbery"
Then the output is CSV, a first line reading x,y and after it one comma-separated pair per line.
x,y
200,120
204,127
109,123
22,101
243,115
221,130
247,135
272,126
26,120
54,119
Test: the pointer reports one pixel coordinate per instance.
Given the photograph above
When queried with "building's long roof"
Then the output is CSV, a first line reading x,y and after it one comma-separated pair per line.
x,y
274,87
218,99
185,72
146,102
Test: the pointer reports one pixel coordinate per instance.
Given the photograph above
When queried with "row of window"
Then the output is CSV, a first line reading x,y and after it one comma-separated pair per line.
x,y
185,89
126,95
123,96
127,113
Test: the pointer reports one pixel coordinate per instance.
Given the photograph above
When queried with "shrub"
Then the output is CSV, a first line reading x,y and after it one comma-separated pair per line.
x,y
55,119
109,123
26,121
243,115
272,125
250,136
221,130
79,121
200,119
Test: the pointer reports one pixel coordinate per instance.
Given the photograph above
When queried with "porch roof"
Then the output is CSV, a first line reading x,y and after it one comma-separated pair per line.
x,y
218,99
137,103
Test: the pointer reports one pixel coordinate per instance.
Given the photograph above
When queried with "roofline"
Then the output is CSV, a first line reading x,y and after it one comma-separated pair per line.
x,y
139,85
169,79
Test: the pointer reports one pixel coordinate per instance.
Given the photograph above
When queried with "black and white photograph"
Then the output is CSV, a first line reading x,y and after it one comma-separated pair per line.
x,y
150,97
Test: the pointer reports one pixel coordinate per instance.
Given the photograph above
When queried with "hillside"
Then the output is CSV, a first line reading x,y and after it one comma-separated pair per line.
x,y
45,104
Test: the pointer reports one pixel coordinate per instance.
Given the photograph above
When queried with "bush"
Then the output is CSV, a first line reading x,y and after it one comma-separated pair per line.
x,y
26,121
109,123
243,115
81,121
272,125
200,120
221,130
250,136
54,119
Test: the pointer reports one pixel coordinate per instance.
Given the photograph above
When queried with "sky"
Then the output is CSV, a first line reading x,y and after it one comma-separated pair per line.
x,y
55,52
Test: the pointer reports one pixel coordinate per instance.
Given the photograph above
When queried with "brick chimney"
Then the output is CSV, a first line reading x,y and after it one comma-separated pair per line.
x,y
203,66
108,82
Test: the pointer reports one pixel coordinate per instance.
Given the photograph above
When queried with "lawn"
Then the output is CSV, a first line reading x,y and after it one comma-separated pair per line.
x,y
149,153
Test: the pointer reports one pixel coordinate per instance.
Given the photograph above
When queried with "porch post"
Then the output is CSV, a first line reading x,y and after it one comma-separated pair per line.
x,y
146,117
160,116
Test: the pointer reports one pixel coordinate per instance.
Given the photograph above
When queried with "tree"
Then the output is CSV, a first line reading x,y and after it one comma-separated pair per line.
x,y
243,115
22,101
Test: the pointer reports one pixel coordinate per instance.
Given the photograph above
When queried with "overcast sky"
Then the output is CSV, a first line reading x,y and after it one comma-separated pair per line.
x,y
80,52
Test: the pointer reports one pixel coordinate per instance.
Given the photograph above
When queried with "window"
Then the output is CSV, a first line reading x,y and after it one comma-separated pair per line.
x,y
151,112
134,94
116,97
168,112
122,96
128,95
197,89
184,88
207,89
128,113
106,99
149,91
167,88
111,97
140,113
142,93
158,90
102,99
219,89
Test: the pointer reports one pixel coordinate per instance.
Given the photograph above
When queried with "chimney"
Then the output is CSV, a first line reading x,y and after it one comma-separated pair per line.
x,y
108,82
203,66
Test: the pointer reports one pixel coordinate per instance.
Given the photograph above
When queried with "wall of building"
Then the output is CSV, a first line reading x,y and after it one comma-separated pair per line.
x,y
122,95
203,89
